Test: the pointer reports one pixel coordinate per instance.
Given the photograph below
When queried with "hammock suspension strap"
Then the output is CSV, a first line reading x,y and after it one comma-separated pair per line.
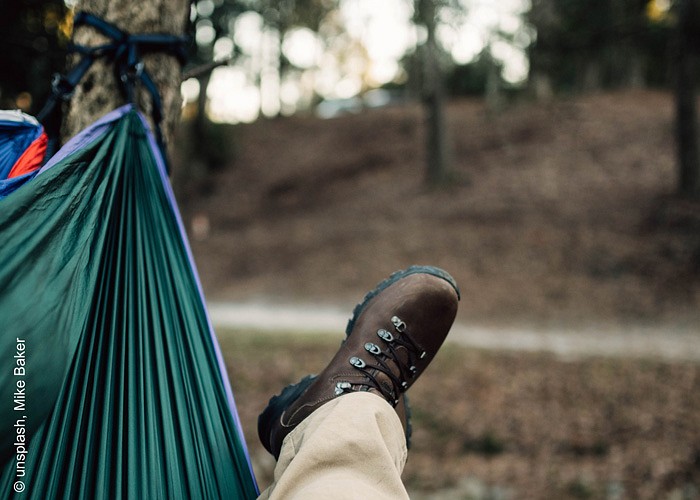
x,y
125,51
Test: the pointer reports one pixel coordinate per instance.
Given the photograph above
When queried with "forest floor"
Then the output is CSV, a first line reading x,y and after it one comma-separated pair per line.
x,y
557,217
510,425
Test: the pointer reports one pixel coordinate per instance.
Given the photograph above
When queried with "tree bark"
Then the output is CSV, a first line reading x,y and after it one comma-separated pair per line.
x,y
99,91
687,129
686,106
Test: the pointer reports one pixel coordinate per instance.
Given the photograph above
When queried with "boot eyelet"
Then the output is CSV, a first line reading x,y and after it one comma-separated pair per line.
x,y
357,362
372,348
341,387
385,335
398,324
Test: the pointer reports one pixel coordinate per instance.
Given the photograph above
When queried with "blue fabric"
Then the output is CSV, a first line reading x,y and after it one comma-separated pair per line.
x,y
15,138
9,186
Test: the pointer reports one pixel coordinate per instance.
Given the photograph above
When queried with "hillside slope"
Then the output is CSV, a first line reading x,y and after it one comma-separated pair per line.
x,y
559,214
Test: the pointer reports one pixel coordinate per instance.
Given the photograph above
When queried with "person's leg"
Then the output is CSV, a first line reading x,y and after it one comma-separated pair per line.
x,y
343,427
351,447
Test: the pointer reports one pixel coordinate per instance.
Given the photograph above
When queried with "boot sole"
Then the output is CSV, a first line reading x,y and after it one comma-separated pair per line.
x,y
277,405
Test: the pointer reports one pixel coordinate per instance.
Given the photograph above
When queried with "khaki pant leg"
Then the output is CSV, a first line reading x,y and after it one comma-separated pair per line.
x,y
351,447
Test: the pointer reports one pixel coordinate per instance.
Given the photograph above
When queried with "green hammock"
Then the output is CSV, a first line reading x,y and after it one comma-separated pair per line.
x,y
123,392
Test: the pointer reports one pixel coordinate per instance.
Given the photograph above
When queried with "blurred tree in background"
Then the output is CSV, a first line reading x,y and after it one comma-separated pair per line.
x,y
574,46
569,46
603,43
432,92
217,29
215,26
32,49
687,52
592,45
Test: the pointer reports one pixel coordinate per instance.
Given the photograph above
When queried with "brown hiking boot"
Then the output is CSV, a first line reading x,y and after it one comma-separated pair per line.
x,y
391,338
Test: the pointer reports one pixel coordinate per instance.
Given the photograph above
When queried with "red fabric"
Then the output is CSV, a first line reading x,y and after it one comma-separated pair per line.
x,y
31,159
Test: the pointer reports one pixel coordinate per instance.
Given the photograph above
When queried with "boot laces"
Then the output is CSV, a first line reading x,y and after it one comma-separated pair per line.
x,y
407,370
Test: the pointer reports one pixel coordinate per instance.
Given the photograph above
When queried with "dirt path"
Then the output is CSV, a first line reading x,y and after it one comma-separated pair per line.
x,y
671,343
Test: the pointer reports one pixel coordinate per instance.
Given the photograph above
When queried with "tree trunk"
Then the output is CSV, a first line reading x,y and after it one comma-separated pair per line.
x,y
99,92
687,128
438,162
686,112
492,93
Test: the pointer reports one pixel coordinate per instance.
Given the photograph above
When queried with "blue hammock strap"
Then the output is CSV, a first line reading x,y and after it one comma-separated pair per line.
x,y
125,51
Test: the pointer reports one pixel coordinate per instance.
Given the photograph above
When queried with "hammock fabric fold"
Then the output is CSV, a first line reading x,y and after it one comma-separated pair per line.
x,y
126,392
